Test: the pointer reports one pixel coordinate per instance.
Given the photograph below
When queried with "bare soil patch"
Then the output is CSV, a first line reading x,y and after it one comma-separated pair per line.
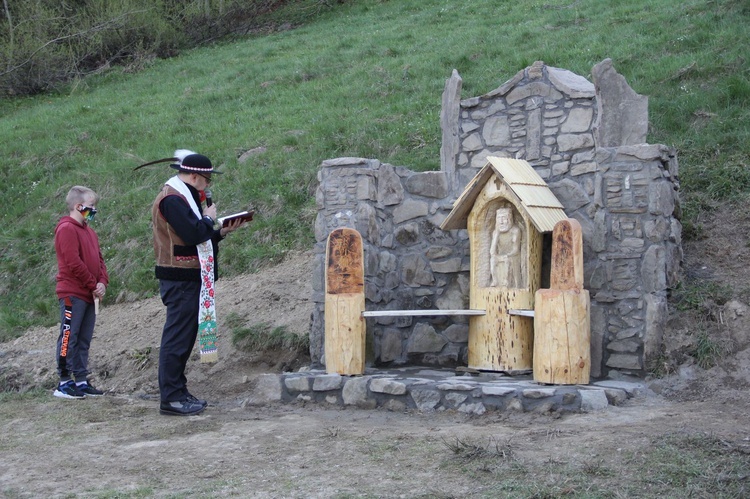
x,y
123,447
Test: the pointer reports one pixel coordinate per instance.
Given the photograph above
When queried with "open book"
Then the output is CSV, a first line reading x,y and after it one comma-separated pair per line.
x,y
244,215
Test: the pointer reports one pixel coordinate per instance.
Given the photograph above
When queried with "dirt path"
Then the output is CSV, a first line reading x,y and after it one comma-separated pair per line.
x,y
689,437
291,451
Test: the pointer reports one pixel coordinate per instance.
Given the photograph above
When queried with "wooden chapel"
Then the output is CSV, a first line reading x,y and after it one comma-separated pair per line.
x,y
506,208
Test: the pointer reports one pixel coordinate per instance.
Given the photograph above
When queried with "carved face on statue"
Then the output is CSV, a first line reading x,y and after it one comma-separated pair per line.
x,y
503,219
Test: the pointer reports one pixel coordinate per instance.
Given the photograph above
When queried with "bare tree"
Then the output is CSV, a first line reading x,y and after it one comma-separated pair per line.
x,y
10,32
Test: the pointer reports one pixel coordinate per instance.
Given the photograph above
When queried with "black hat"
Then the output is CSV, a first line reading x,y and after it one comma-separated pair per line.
x,y
186,161
192,162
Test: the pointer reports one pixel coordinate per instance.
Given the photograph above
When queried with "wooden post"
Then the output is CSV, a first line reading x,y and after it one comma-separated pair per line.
x,y
562,327
344,303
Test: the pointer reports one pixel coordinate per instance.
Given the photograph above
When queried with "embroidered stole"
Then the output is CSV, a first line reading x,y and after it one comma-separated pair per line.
x,y
207,327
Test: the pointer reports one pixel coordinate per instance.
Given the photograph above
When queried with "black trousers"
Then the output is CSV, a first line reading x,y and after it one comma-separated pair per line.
x,y
178,336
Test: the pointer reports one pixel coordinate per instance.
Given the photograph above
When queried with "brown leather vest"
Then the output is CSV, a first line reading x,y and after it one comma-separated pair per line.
x,y
172,254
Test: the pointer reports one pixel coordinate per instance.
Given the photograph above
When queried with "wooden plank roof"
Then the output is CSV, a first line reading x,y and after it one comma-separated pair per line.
x,y
541,205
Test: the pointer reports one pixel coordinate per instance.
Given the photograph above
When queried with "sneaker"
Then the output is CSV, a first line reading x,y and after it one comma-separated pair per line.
x,y
89,389
69,390
184,408
196,400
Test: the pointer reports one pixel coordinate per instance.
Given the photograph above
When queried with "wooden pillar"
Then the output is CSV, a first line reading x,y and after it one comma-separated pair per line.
x,y
562,328
344,347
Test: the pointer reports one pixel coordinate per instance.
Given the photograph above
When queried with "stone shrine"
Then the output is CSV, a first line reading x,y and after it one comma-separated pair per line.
x,y
587,141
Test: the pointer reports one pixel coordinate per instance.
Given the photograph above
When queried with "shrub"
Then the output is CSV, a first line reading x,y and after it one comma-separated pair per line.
x,y
47,43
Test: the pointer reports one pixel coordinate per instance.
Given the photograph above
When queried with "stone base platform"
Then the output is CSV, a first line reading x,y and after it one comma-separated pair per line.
x,y
432,389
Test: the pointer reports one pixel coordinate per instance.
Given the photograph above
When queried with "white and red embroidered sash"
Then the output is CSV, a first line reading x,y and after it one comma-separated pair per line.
x,y
207,326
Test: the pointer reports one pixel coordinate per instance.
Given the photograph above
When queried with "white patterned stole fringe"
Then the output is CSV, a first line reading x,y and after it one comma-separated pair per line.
x,y
207,327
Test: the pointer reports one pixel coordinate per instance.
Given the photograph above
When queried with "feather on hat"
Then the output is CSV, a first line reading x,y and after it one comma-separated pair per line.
x,y
187,161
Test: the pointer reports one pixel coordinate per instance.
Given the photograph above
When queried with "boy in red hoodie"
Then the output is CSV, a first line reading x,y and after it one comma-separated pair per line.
x,y
81,280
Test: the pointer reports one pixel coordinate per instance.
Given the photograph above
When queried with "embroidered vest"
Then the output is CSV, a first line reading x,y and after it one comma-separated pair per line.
x,y
174,259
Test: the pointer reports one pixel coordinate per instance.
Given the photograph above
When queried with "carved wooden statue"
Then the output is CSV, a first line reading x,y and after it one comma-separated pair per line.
x,y
505,250
506,258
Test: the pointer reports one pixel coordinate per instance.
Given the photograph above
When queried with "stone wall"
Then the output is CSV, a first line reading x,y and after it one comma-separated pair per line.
x,y
410,263
587,140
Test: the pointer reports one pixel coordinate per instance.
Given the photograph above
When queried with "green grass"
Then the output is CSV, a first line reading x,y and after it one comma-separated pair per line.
x,y
707,351
363,78
260,337
700,294
37,394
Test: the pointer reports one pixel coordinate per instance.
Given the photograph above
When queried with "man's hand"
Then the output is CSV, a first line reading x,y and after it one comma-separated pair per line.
x,y
100,290
232,226
210,211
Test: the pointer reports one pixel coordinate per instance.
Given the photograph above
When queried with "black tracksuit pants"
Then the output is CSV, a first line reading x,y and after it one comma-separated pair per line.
x,y
77,319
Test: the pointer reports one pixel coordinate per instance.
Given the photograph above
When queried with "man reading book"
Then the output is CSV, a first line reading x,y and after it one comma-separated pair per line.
x,y
186,247
245,216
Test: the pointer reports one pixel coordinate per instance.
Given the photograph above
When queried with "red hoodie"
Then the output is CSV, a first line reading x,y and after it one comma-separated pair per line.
x,y
80,262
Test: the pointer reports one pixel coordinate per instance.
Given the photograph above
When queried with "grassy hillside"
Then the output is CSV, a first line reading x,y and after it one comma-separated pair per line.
x,y
362,79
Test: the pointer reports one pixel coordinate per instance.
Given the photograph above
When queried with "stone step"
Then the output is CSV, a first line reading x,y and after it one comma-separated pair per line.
x,y
430,389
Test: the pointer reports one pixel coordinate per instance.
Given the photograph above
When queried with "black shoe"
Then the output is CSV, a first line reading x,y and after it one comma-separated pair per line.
x,y
89,389
184,408
69,390
196,400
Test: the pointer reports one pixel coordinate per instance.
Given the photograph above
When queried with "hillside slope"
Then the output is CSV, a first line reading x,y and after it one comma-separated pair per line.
x,y
124,351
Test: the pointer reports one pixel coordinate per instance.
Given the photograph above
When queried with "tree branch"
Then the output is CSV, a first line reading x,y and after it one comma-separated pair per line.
x,y
10,31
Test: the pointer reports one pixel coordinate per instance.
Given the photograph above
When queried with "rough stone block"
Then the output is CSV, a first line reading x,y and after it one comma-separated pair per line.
x,y
633,389
390,190
389,386
447,266
424,339
457,333
623,361
571,84
579,120
298,384
327,382
615,396
499,391
574,141
428,184
538,393
425,399
455,399
476,408
593,400
623,114
409,210
390,345
394,405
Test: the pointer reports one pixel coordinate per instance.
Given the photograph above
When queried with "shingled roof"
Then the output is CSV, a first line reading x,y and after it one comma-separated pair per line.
x,y
541,205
